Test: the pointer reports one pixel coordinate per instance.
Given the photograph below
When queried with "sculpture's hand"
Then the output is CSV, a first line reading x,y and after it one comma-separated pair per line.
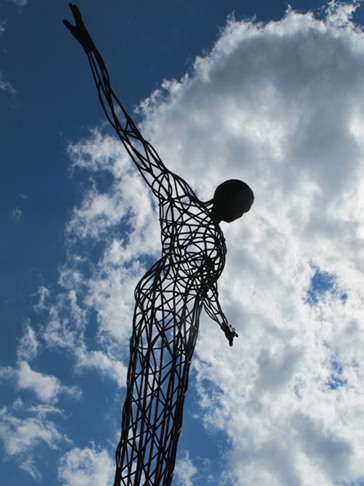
x,y
230,332
79,31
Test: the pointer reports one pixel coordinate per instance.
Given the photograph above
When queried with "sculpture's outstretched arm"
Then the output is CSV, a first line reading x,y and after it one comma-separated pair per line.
x,y
162,181
213,310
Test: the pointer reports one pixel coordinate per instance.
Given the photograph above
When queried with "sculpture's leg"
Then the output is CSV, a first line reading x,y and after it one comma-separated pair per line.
x,y
163,340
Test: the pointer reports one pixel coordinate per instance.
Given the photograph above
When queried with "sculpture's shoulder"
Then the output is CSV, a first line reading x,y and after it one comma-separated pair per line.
x,y
190,236
188,219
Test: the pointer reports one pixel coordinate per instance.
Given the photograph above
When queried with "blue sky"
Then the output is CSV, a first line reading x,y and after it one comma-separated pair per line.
x,y
274,96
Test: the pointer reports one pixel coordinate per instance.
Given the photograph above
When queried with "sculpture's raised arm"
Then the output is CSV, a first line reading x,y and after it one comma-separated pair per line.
x,y
162,181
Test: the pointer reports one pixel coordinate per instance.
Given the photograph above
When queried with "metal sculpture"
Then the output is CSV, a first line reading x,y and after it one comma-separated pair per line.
x,y
169,298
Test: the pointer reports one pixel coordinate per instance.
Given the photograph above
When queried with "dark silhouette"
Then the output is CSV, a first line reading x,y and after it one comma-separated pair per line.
x,y
169,298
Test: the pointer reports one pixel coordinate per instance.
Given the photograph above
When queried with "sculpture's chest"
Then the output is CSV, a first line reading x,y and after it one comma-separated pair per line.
x,y
194,245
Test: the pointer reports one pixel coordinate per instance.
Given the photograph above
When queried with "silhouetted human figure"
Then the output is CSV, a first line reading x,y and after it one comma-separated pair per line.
x,y
170,296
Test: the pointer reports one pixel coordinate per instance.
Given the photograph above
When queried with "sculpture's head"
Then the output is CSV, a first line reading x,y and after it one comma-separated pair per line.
x,y
231,200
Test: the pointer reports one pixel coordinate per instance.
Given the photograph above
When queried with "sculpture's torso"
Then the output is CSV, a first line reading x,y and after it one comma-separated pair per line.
x,y
193,246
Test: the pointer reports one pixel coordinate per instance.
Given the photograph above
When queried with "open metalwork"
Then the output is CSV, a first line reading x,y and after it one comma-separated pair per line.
x,y
169,298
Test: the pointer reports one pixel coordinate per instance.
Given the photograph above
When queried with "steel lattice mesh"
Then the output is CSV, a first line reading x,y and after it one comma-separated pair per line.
x,y
168,303
168,299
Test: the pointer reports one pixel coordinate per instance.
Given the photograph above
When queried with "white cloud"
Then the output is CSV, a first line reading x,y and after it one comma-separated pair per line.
x,y
45,387
20,2
17,213
24,427
185,471
68,321
280,106
278,393
125,200
7,373
104,363
43,294
4,83
86,467
109,288
29,345
21,435
2,25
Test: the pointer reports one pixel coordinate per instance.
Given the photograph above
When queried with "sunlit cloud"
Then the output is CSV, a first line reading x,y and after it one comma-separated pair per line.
x,y
185,471
82,467
28,347
20,436
45,387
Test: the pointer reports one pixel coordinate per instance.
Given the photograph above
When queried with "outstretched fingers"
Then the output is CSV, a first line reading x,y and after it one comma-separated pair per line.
x,y
79,30
76,13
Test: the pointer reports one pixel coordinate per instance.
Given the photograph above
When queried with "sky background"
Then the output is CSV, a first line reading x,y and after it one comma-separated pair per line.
x,y
254,90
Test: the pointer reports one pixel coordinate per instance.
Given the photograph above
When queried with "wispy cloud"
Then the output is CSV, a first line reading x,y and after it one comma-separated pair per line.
x,y
185,471
2,25
45,387
5,85
26,423
29,345
20,436
81,467
20,2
